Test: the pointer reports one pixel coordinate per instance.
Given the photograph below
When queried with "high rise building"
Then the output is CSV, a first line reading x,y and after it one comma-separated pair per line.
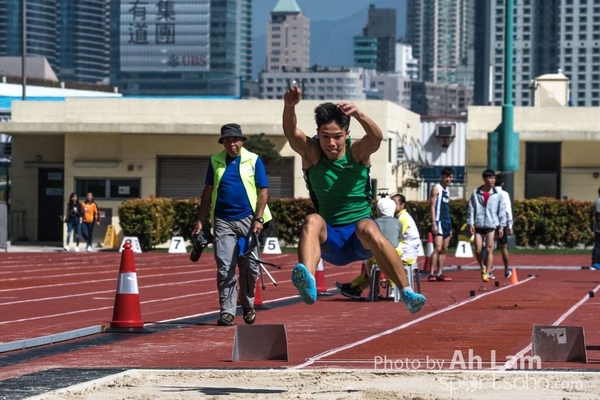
x,y
406,65
536,46
72,35
183,47
441,33
365,52
548,35
388,86
316,84
288,38
376,48
579,49
246,40
428,98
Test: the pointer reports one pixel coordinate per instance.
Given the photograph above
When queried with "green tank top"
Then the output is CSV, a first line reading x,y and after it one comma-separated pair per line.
x,y
340,190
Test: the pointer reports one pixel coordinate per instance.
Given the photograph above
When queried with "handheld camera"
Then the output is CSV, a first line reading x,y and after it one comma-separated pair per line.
x,y
200,241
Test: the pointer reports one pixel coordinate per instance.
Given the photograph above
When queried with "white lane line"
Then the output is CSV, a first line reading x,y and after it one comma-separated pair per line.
x,y
77,265
103,267
328,353
10,303
529,267
97,272
511,363
103,308
200,270
164,321
142,302
91,281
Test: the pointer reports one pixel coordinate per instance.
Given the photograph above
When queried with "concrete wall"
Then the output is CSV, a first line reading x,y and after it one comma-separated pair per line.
x,y
578,128
137,131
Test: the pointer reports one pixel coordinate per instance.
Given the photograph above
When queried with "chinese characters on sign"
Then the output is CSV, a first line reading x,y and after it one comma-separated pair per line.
x,y
165,35
138,30
165,22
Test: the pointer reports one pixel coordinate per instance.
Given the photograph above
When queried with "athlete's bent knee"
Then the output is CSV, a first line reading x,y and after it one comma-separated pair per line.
x,y
367,231
313,224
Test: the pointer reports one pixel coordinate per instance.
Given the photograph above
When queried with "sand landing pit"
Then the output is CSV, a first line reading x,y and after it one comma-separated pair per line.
x,y
333,384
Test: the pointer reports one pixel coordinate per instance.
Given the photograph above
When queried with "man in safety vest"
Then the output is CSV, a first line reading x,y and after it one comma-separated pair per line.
x,y
231,173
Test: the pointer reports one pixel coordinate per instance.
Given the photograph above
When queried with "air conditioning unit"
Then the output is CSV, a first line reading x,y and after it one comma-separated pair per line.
x,y
445,130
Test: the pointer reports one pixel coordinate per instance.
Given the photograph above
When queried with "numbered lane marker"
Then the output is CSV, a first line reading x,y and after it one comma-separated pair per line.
x,y
272,246
135,244
177,245
464,250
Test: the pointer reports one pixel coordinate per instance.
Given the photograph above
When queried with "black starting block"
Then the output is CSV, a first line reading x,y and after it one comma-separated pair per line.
x,y
558,343
260,342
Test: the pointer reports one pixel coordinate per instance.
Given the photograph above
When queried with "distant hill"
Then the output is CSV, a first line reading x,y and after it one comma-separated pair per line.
x,y
331,41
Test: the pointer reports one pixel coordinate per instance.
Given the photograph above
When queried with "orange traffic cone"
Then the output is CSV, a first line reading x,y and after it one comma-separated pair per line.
x,y
427,265
257,299
127,315
320,280
513,277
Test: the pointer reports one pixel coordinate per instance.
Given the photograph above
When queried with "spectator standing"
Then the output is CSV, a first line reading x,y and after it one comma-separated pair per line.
x,y
73,214
91,217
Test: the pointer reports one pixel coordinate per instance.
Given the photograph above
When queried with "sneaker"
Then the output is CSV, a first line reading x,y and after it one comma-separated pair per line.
x,y
305,283
346,289
351,292
431,278
413,301
343,286
77,249
595,266
89,248
226,319
491,275
67,248
442,278
508,274
485,277
249,316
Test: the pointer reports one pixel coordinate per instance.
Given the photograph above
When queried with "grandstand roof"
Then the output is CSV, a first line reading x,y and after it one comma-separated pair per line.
x,y
6,101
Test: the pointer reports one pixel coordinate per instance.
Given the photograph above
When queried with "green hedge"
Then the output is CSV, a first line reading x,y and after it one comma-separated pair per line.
x,y
151,220
551,222
538,222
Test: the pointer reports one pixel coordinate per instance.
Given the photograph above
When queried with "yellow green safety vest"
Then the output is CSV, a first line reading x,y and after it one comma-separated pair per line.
x,y
246,168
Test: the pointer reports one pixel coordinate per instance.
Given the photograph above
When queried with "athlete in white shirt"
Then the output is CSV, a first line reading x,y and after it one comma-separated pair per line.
x,y
508,229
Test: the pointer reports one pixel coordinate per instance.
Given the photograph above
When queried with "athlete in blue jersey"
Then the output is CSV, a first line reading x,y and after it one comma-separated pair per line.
x,y
441,225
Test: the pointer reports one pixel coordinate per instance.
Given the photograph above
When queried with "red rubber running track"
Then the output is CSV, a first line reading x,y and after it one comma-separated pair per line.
x,y
46,293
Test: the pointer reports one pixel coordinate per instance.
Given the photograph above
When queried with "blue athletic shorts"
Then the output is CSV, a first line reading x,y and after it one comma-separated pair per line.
x,y
444,229
342,247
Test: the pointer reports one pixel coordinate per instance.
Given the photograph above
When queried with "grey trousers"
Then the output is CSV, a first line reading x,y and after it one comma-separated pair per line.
x,y
227,257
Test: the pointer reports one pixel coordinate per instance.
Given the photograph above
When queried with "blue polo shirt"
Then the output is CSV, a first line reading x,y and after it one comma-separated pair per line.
x,y
232,201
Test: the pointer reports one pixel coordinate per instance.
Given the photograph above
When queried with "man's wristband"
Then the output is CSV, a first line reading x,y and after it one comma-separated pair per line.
x,y
260,219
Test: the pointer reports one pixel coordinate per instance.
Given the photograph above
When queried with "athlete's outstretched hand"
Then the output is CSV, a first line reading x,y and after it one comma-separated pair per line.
x,y
292,96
